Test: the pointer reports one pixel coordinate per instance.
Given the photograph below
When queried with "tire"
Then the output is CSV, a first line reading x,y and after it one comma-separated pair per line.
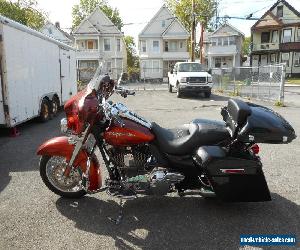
x,y
207,94
45,111
55,106
170,87
179,93
50,184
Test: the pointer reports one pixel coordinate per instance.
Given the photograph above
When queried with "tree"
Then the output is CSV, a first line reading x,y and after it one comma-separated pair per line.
x,y
86,7
246,46
132,58
24,12
204,11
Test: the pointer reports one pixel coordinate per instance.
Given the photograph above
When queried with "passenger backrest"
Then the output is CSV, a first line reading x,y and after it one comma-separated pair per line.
x,y
235,115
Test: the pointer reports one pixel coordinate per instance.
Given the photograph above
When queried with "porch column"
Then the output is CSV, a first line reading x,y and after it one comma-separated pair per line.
x,y
233,62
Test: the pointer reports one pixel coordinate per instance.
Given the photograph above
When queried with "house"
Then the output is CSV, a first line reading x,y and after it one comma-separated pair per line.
x,y
162,43
97,40
224,47
276,38
54,31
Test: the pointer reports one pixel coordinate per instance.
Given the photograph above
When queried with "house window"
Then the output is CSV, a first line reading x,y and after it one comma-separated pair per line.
x,y
265,37
225,41
273,58
166,46
106,44
231,40
118,44
213,42
173,46
219,41
218,62
298,35
280,11
143,46
145,66
163,23
155,65
275,36
285,58
181,45
287,36
155,46
50,31
297,59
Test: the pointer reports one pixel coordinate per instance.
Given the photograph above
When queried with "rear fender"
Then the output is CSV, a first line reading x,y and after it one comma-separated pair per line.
x,y
59,146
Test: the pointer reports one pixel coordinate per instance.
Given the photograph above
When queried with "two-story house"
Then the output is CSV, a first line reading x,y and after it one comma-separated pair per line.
x,y
162,43
276,38
57,33
97,40
224,47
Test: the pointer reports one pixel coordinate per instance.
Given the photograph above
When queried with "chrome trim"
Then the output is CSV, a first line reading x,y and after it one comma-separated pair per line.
x,y
123,111
64,125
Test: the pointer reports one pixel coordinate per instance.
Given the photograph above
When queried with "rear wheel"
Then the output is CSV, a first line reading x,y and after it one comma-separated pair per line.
x,y
55,106
207,94
170,87
45,111
52,172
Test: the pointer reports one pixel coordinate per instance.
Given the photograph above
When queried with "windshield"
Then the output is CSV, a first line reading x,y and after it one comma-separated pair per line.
x,y
190,67
94,83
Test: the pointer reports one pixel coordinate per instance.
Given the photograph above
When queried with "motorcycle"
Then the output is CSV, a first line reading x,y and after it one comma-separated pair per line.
x,y
211,158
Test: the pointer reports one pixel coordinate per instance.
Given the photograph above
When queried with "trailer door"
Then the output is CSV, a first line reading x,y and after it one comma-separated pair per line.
x,y
68,83
2,116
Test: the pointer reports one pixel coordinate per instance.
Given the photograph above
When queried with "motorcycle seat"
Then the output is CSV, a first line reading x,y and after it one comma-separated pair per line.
x,y
188,137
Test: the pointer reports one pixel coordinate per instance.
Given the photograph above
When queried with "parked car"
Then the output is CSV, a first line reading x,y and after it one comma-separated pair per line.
x,y
190,77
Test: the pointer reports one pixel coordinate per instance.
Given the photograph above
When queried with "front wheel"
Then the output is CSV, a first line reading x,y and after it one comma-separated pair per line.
x,y
52,172
207,94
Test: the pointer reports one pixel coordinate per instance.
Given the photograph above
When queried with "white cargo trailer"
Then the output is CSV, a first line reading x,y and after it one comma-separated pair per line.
x,y
37,74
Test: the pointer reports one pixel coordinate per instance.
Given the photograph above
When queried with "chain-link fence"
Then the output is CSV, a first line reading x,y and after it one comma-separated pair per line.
x,y
264,82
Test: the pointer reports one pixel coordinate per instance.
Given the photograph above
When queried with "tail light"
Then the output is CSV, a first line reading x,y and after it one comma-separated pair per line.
x,y
255,149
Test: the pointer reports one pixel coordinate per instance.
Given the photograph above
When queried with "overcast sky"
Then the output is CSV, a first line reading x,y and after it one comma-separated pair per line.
x,y
141,11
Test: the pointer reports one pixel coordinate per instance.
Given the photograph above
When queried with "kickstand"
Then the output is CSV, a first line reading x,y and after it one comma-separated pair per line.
x,y
119,218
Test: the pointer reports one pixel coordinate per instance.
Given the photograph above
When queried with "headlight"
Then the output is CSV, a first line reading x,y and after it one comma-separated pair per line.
x,y
64,125
183,79
209,79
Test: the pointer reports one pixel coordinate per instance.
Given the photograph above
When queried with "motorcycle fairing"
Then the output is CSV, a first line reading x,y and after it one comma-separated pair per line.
x,y
59,146
233,178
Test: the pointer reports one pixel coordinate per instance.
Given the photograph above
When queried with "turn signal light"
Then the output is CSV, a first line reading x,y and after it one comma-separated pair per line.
x,y
255,149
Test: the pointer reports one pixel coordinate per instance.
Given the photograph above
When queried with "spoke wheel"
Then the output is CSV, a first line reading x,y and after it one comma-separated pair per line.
x,y
52,172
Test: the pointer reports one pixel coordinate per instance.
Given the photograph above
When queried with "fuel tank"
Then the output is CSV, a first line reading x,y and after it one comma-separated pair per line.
x,y
130,134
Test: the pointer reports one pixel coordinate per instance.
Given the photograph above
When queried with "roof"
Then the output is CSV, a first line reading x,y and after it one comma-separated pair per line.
x,y
21,27
67,35
269,12
106,28
229,25
171,16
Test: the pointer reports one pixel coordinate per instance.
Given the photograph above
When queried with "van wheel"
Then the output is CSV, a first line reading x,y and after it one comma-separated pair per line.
x,y
170,87
55,106
179,94
45,111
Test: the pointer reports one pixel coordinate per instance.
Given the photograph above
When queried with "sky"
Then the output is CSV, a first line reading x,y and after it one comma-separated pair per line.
x,y
141,11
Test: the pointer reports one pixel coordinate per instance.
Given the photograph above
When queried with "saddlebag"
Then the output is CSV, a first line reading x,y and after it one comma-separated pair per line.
x,y
233,179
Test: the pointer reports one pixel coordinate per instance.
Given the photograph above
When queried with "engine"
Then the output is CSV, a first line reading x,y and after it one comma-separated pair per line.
x,y
143,174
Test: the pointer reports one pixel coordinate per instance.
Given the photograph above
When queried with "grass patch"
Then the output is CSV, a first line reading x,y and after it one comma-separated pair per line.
x,y
292,81
279,104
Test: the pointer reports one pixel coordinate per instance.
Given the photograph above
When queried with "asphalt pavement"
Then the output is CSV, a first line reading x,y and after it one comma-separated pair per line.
x,y
32,217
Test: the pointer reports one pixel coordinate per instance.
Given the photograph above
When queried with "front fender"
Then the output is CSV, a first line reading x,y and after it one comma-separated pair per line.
x,y
59,146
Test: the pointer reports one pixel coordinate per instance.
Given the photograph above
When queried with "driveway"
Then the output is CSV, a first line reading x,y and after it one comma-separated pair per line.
x,y
31,217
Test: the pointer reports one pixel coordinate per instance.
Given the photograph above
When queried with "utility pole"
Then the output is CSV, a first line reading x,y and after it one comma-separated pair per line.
x,y
193,32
